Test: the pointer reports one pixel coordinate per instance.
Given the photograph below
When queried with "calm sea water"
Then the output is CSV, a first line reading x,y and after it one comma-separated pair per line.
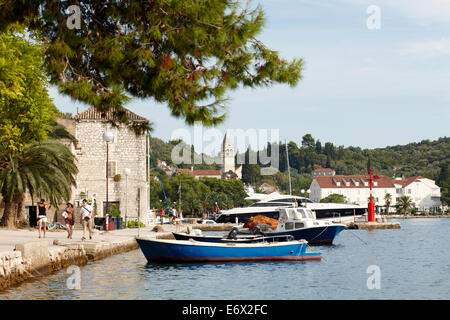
x,y
414,263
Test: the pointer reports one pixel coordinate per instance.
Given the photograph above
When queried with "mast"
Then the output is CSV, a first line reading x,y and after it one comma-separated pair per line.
x,y
289,169
147,158
179,200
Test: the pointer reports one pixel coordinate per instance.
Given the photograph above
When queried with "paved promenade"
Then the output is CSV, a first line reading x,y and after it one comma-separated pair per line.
x,y
23,255
9,238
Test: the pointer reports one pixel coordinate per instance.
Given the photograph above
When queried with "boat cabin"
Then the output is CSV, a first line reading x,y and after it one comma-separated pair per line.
x,y
298,218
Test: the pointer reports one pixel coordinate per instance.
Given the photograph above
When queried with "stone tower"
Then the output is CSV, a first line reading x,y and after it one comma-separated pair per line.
x,y
228,163
227,154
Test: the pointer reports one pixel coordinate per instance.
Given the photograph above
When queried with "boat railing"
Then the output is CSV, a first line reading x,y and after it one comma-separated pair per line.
x,y
281,238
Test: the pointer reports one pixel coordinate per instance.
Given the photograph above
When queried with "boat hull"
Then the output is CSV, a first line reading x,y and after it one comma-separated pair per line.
x,y
315,235
238,239
193,251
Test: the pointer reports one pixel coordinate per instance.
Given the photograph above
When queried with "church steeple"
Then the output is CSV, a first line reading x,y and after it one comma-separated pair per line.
x,y
227,154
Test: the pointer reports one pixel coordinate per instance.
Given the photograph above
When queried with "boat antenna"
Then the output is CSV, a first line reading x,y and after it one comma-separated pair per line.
x,y
289,169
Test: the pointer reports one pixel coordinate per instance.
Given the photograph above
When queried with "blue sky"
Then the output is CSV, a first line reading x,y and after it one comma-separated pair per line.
x,y
361,87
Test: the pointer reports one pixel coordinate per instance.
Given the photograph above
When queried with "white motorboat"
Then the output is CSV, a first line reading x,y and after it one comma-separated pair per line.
x,y
269,205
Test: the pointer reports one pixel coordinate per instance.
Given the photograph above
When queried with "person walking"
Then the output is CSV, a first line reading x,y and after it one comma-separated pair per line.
x,y
170,216
69,219
161,215
42,216
175,216
86,219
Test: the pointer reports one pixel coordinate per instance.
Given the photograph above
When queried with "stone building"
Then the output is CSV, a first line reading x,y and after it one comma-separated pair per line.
x,y
127,150
229,169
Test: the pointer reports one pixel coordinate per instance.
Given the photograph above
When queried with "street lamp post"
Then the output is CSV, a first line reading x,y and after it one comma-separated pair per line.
x,y
108,137
127,172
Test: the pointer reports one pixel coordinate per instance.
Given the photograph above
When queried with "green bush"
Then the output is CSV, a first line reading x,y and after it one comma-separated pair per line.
x,y
134,224
114,211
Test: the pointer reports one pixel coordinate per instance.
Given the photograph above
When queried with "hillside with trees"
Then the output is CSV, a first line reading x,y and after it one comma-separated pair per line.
x,y
425,158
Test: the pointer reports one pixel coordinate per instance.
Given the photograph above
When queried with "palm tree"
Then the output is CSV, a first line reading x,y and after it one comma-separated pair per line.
x,y
405,203
387,201
44,169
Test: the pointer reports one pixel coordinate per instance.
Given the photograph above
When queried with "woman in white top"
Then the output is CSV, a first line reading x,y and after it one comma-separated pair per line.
x,y
42,217
86,219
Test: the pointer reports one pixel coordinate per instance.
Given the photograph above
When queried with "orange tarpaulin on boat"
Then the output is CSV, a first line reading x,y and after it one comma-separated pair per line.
x,y
252,222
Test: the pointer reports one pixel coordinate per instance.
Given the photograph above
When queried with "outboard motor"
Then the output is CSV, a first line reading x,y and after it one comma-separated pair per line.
x,y
233,233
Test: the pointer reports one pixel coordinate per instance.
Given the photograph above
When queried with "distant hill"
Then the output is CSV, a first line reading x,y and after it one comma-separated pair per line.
x,y
163,151
423,158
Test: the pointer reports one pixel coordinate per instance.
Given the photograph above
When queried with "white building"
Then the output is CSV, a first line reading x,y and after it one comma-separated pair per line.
x,y
355,189
323,172
423,192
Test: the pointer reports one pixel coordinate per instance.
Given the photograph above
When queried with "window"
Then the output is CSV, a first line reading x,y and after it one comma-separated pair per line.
x,y
299,214
111,169
409,191
299,225
291,214
289,226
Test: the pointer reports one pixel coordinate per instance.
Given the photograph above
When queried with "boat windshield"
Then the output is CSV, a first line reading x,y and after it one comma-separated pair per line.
x,y
299,214
283,216
310,214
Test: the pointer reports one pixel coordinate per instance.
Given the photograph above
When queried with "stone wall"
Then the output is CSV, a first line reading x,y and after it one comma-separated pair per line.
x,y
127,151
38,258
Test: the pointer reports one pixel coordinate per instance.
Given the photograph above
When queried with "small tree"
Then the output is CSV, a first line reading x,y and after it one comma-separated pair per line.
x,y
405,203
114,211
334,198
387,201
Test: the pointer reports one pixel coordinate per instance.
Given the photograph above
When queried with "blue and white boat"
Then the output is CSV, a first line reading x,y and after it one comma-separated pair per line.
x,y
156,250
239,237
301,223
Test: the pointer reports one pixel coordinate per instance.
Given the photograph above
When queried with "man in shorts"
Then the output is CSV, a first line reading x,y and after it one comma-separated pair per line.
x,y
86,219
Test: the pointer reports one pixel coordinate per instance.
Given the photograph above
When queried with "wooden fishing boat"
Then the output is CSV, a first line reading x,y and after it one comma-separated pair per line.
x,y
239,238
196,251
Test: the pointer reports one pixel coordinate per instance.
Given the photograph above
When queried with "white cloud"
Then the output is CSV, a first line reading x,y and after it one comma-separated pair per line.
x,y
423,12
429,48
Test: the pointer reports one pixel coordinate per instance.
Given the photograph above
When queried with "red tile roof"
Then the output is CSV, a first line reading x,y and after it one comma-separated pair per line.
x,y
93,114
181,170
323,170
407,181
329,181
207,173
